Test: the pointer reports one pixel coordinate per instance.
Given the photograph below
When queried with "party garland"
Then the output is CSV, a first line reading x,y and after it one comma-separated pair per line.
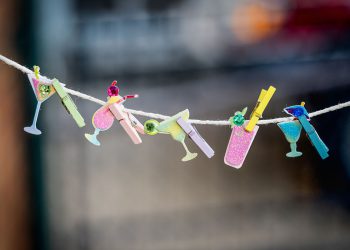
x,y
179,126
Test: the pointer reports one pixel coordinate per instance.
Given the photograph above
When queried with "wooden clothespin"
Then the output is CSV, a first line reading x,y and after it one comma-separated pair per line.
x,y
68,103
263,100
196,137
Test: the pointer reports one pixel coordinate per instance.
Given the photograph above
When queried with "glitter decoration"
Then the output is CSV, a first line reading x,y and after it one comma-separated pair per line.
x,y
238,119
150,127
41,90
113,91
103,118
44,90
239,145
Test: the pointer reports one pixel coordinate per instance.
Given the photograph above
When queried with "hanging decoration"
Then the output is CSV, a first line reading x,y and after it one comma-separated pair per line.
x,y
179,126
243,134
44,90
104,117
300,113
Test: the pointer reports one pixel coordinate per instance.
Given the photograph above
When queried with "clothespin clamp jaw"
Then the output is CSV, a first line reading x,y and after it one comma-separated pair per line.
x,y
263,100
238,119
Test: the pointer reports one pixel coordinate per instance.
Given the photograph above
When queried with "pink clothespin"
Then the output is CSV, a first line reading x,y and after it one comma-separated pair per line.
x,y
130,124
195,136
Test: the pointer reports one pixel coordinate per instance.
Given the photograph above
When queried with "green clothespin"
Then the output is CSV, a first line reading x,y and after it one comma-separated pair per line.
x,y
68,103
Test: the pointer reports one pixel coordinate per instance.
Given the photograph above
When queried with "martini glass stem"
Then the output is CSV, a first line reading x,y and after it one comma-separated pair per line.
x,y
189,156
97,131
293,147
33,129
37,110
93,138
186,148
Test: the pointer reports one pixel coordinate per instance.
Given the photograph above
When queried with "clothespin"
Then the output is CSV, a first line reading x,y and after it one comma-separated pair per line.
x,y
130,124
299,112
264,98
36,71
68,103
195,136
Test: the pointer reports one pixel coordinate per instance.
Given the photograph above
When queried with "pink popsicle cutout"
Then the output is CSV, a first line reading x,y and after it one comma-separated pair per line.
x,y
103,118
238,146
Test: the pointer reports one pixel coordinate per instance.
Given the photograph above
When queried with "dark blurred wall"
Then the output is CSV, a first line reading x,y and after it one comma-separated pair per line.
x,y
14,223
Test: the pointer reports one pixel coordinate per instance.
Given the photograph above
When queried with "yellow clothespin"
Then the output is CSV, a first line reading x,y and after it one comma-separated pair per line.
x,y
264,98
36,71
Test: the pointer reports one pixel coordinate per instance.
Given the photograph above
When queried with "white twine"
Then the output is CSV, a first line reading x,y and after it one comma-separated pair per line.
x,y
163,117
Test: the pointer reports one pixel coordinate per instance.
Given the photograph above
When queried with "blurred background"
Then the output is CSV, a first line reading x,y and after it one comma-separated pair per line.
x,y
57,191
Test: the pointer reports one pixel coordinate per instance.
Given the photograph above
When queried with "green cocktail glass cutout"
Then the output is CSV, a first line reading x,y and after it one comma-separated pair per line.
x,y
170,126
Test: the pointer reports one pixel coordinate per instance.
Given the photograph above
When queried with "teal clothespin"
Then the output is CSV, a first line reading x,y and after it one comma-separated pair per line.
x,y
299,112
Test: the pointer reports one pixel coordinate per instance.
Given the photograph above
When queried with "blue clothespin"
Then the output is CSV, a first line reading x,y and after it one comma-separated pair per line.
x,y
299,112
